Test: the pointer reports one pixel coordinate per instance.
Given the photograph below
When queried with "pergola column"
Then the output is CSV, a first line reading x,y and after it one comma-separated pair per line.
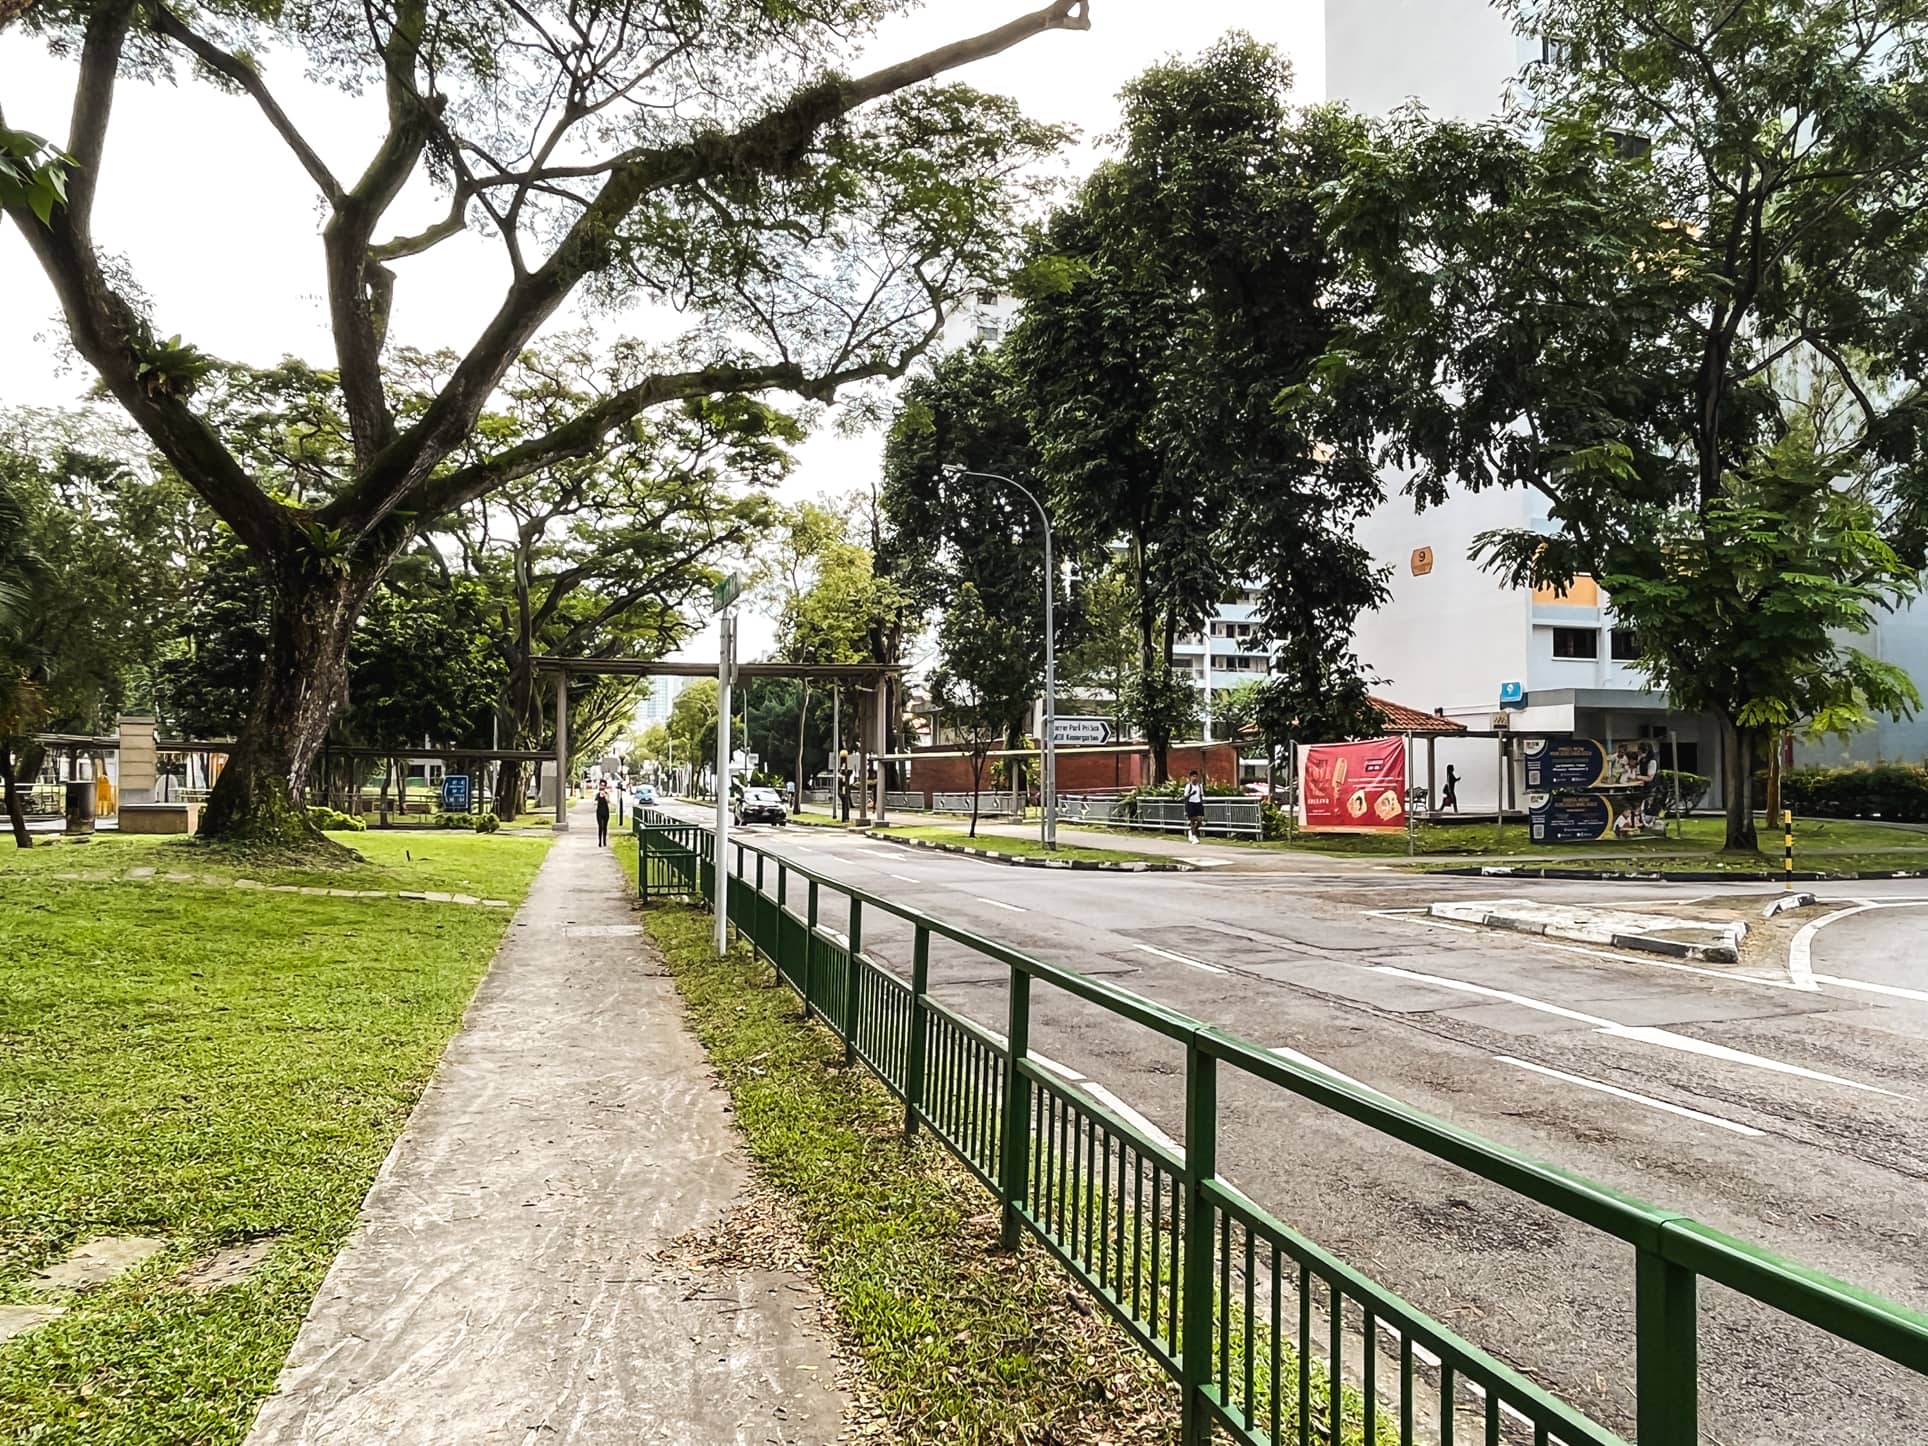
x,y
562,751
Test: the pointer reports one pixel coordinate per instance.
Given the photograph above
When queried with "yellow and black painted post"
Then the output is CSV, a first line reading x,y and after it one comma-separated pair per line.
x,y
1787,849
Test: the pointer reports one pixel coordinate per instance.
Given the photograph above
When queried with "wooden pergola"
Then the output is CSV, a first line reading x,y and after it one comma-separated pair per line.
x,y
870,740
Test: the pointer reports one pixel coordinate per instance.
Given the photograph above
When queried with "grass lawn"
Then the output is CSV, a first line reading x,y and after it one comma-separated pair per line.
x,y
1024,847
959,1344
209,1066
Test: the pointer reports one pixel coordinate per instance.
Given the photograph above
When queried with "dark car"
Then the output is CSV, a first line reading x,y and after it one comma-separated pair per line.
x,y
760,805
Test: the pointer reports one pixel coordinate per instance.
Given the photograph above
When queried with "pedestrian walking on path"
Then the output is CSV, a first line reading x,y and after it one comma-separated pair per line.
x,y
515,1276
1194,805
602,817
1449,796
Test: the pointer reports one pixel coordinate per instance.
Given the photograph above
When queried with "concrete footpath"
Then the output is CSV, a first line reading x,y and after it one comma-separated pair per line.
x,y
508,1281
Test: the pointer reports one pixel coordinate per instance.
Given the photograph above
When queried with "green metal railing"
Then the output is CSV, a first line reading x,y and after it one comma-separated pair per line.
x,y
1258,1324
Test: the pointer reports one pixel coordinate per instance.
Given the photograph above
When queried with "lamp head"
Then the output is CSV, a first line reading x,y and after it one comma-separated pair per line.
x,y
952,471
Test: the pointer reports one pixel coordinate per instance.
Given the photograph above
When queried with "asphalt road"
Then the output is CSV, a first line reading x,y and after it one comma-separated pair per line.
x,y
1781,1104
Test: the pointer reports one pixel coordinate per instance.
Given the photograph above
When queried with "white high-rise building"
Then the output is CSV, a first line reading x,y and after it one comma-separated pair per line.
x,y
658,701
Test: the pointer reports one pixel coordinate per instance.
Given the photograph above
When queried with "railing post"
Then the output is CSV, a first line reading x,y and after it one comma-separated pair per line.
x,y
920,982
1016,1129
810,951
642,863
1196,1275
756,914
1666,1352
783,931
850,982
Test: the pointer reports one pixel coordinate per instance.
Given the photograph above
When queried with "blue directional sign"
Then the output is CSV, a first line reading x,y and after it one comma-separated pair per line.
x,y
1512,695
455,793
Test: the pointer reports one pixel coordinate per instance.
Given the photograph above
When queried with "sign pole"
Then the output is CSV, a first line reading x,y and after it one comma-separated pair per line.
x,y
725,673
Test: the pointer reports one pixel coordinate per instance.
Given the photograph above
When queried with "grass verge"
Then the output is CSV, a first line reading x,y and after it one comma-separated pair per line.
x,y
209,1067
1025,847
959,1344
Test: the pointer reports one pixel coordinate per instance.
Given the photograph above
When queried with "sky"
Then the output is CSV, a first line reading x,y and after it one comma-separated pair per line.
x,y
222,227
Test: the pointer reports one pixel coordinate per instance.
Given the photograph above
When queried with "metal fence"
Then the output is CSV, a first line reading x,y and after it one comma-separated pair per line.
x,y
989,805
1255,1322
906,802
1238,816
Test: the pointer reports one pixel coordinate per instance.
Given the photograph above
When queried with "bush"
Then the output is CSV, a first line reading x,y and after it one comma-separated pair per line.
x,y
1275,822
334,821
1897,792
486,823
1693,790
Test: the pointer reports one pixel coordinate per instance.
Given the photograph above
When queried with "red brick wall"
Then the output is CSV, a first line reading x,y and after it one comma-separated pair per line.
x,y
1080,771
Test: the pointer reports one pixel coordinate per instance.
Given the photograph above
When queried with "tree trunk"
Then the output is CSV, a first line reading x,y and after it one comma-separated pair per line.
x,y
977,787
16,813
303,683
1737,778
1774,750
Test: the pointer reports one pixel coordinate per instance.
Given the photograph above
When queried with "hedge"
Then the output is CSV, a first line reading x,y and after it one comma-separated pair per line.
x,y
1897,792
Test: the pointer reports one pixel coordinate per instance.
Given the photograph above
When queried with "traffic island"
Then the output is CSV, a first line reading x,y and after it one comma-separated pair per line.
x,y
1678,937
1081,860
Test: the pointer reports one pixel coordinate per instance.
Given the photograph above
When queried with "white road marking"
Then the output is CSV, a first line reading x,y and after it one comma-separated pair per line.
x,y
1000,904
1640,1033
1413,916
904,878
1869,987
1130,1116
1639,1099
1284,1051
1800,949
1202,863
1180,959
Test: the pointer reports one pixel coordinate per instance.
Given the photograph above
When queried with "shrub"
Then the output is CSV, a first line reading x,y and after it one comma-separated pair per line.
x,y
1894,791
334,821
486,823
1274,822
1693,789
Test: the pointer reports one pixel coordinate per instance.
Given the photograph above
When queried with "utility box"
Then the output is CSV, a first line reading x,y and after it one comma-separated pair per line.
x,y
80,805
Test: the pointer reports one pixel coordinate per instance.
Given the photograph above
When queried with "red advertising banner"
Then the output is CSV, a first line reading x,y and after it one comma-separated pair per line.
x,y
1353,787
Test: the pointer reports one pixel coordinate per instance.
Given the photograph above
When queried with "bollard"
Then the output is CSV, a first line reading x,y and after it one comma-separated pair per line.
x,y
1787,850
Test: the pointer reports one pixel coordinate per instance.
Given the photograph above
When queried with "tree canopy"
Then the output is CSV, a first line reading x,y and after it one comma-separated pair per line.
x,y
709,158
1627,299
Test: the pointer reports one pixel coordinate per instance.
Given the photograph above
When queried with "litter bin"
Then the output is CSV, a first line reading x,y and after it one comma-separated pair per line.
x,y
80,805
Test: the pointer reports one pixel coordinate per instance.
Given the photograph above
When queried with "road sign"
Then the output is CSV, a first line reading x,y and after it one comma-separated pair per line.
x,y
728,590
1512,695
455,793
1080,730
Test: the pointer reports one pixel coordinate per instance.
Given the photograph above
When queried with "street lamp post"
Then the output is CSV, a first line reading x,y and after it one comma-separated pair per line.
x,y
1050,742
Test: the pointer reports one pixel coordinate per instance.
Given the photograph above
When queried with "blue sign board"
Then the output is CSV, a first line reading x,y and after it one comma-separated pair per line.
x,y
455,793
1560,763
1512,695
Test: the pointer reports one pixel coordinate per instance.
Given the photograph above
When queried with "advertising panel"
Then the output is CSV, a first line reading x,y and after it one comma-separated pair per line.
x,y
1562,763
1353,787
1569,817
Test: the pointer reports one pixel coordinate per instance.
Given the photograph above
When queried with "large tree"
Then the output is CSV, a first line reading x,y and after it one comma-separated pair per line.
x,y
981,685
1186,286
600,556
703,154
1627,300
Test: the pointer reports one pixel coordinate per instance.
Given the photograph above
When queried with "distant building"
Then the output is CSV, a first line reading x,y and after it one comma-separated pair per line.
x,y
657,702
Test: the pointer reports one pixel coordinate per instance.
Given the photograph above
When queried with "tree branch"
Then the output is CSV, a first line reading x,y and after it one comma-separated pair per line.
x,y
100,55
243,74
768,145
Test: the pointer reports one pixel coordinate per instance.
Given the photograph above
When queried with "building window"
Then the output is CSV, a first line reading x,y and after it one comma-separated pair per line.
x,y
1576,643
1622,648
987,298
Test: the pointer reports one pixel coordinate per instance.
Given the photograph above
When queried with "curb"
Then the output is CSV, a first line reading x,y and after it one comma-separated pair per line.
x,y
1697,876
1726,952
1016,861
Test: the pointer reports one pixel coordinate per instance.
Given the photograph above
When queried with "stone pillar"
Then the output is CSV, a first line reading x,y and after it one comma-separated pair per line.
x,y
138,766
562,751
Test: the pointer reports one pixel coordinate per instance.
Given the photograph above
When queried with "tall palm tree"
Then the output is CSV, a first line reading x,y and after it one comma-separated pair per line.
x,y
24,579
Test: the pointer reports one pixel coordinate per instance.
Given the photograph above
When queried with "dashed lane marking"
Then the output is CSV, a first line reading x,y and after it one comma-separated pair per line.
x,y
1648,1100
1180,959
